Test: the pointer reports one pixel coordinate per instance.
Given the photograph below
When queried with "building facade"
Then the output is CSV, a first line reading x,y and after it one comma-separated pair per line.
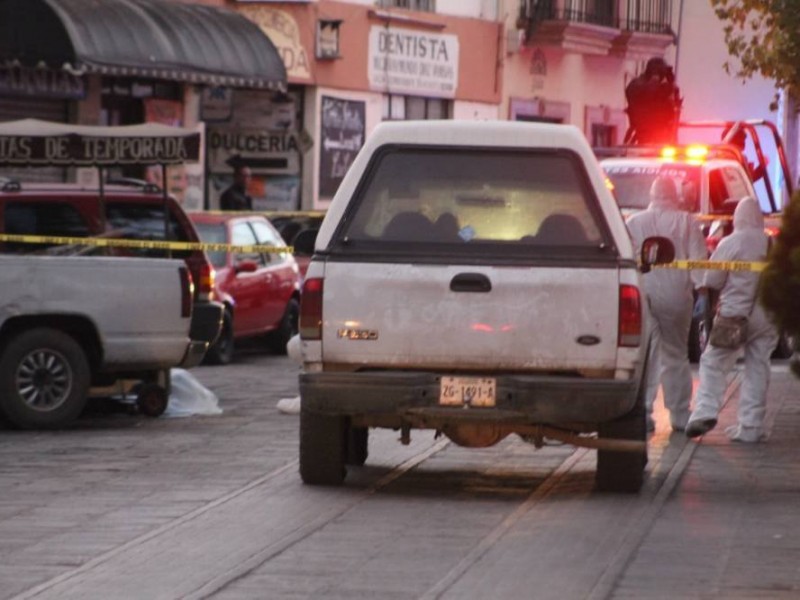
x,y
351,65
568,61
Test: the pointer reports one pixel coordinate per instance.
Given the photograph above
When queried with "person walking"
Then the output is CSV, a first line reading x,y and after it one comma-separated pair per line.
x,y
738,298
670,299
236,197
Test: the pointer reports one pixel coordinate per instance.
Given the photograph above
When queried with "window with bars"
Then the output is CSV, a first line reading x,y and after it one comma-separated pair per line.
x,y
414,108
421,5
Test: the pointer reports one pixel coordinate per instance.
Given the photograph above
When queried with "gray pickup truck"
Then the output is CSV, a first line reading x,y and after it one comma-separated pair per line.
x,y
72,323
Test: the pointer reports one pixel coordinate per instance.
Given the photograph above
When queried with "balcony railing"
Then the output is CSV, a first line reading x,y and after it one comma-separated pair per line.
x,y
647,16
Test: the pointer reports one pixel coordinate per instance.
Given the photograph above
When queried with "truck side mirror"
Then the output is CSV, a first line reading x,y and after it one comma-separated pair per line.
x,y
656,250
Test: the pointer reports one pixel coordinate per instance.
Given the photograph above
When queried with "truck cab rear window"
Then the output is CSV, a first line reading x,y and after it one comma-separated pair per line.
x,y
485,198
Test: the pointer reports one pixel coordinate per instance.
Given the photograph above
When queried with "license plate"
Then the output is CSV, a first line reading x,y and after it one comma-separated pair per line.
x,y
467,391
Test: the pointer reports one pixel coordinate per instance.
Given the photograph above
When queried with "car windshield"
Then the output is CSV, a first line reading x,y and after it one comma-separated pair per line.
x,y
213,233
477,201
632,183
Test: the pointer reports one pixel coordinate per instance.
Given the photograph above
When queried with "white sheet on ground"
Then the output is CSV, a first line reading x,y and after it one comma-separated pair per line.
x,y
190,397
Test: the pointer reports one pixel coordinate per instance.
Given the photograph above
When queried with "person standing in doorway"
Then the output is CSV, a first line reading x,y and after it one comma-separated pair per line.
x,y
236,196
669,296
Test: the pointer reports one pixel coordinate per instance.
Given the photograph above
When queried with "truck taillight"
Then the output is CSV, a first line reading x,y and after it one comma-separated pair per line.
x,y
630,316
187,291
205,285
311,310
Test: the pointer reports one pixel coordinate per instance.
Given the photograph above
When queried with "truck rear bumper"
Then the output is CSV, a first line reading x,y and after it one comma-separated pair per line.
x,y
194,354
206,321
528,399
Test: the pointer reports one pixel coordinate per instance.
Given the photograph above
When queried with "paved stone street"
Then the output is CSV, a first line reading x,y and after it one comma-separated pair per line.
x,y
124,506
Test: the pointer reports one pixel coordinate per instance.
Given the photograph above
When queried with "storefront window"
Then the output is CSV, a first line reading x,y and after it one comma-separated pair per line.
x,y
423,5
414,108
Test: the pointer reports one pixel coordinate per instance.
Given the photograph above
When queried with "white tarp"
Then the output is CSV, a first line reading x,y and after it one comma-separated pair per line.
x,y
190,397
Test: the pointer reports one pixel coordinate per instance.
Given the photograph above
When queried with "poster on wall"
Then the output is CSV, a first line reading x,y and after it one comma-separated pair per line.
x,y
341,137
185,182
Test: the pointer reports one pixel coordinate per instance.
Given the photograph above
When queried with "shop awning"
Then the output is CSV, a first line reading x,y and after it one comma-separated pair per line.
x,y
159,39
31,142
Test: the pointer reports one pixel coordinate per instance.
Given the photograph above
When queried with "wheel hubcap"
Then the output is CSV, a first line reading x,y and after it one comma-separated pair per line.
x,y
44,380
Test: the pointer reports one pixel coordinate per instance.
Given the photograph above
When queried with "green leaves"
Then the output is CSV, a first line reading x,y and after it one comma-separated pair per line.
x,y
780,282
764,35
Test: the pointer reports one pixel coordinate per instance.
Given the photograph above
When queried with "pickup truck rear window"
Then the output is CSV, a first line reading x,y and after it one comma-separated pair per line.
x,y
482,200
146,222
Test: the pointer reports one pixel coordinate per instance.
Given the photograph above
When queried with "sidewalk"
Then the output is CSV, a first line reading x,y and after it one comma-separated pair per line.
x,y
732,528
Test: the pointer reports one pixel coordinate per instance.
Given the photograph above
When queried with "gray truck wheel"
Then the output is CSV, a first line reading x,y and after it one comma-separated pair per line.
x,y
322,448
357,446
44,379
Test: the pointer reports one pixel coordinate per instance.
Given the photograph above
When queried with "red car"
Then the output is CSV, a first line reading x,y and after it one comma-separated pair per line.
x,y
260,291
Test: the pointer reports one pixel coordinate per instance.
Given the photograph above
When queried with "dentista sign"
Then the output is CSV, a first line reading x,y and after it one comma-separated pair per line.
x,y
404,61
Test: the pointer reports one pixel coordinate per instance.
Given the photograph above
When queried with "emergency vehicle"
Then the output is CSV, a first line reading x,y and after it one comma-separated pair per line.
x,y
712,178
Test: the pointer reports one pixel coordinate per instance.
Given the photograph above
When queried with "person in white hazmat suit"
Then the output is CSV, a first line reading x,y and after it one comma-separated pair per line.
x,y
738,298
669,296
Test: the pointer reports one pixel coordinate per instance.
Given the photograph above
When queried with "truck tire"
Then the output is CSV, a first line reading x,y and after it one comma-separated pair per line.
x,y
221,352
322,448
288,327
357,446
624,471
44,379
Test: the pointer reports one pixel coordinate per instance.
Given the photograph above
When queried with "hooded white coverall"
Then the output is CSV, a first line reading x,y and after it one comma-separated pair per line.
x,y
738,298
669,295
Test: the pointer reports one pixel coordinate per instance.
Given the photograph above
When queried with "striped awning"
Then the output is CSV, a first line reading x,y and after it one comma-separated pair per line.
x,y
158,39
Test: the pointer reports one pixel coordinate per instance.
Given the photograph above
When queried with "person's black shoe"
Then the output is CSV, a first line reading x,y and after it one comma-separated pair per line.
x,y
700,427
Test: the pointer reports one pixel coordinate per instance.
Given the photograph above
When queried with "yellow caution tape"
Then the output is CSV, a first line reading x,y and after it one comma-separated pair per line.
x,y
57,240
715,265
268,213
713,217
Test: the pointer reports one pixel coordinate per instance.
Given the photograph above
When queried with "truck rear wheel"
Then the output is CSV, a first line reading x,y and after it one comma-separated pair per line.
x,y
624,471
44,379
322,448
357,446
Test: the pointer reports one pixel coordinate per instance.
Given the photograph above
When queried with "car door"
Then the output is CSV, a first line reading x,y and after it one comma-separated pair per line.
x,y
247,287
282,272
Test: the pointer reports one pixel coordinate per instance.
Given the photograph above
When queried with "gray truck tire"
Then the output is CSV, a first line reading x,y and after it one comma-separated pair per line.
x,y
44,379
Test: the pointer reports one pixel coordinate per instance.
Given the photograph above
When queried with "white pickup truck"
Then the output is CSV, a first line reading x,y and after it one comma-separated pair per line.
x,y
70,323
475,279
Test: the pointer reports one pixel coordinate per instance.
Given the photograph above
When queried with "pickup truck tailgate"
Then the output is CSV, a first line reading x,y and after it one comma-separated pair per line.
x,y
470,317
